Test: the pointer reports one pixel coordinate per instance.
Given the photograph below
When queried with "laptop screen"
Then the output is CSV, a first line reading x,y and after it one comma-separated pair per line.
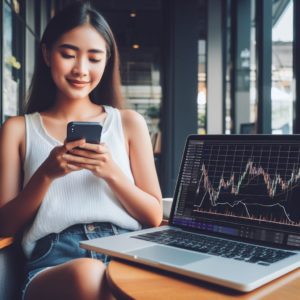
x,y
246,186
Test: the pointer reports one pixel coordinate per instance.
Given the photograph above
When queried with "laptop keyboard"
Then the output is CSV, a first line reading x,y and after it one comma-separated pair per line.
x,y
214,246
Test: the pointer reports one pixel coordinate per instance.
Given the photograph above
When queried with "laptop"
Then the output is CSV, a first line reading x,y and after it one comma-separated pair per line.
x,y
235,217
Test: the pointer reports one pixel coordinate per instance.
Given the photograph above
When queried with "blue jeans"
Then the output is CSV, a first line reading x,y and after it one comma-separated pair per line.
x,y
58,248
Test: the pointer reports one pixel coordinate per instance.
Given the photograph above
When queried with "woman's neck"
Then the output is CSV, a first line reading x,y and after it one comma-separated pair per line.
x,y
75,110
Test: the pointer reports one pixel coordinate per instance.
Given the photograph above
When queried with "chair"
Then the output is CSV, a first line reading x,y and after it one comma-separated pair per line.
x,y
11,274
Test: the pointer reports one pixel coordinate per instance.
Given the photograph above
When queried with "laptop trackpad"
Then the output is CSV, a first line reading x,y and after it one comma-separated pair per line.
x,y
167,255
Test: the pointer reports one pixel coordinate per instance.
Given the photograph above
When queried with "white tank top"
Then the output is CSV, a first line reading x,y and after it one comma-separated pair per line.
x,y
79,197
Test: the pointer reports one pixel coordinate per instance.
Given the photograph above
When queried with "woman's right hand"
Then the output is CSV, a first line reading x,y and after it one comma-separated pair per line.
x,y
56,165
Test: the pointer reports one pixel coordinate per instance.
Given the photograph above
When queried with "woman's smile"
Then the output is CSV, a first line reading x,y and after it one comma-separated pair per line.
x,y
78,83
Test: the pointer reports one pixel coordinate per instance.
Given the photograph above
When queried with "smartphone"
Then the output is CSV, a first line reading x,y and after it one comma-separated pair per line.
x,y
90,131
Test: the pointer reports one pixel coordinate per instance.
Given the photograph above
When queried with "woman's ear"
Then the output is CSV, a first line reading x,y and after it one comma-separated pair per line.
x,y
46,55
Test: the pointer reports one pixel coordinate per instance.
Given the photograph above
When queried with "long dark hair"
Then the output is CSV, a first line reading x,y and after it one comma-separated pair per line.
x,y
42,90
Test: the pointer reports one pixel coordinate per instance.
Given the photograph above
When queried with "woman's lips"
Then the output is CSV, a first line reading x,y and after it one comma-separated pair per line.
x,y
78,83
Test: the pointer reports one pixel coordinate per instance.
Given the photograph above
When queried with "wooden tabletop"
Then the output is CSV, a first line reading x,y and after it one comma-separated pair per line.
x,y
132,281
5,242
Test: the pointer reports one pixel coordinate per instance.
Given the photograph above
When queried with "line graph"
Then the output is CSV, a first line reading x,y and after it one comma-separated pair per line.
x,y
258,181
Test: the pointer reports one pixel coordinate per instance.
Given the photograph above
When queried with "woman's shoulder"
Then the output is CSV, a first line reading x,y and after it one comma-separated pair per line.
x,y
131,117
14,123
134,125
13,128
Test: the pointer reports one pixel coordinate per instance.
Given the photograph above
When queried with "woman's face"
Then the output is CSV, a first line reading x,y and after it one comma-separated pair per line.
x,y
77,62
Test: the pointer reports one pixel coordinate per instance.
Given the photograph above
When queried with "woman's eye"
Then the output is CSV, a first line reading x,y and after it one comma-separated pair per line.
x,y
65,55
94,60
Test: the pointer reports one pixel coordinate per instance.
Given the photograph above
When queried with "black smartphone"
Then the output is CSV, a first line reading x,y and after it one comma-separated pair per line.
x,y
90,131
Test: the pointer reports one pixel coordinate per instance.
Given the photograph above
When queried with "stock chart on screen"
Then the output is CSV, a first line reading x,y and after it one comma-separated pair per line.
x,y
241,180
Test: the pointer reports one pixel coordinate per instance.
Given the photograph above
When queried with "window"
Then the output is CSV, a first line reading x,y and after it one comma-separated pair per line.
x,y
282,67
11,60
201,98
142,89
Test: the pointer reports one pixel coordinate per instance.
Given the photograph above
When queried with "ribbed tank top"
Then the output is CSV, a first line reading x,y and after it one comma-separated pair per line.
x,y
79,197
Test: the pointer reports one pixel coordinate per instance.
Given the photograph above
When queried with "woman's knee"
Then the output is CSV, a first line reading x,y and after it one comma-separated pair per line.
x,y
82,278
87,276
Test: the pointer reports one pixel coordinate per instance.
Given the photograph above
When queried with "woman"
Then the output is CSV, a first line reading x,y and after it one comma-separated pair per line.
x,y
62,192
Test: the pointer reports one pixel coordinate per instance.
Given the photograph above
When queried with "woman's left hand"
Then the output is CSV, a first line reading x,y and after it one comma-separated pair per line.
x,y
93,157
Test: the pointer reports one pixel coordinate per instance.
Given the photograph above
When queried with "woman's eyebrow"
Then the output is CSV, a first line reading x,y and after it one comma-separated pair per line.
x,y
68,46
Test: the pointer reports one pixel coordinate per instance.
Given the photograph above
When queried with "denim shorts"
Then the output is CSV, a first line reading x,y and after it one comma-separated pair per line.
x,y
58,248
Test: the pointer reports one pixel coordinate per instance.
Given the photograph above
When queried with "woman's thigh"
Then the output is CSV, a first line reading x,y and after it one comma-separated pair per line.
x,y
82,278
56,250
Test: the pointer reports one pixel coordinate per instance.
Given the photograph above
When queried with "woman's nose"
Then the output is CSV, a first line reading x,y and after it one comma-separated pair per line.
x,y
80,67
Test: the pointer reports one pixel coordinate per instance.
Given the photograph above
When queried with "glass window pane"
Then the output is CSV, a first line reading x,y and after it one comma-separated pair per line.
x,y
201,98
240,84
282,67
228,81
31,41
11,65
253,73
140,70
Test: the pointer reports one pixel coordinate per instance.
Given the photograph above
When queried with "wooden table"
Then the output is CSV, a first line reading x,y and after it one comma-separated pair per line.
x,y
132,281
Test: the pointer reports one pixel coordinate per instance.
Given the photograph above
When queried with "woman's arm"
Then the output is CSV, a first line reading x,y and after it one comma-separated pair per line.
x,y
18,206
142,199
14,213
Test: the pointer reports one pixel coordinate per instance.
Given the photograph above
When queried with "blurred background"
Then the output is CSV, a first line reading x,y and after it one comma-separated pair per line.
x,y
188,66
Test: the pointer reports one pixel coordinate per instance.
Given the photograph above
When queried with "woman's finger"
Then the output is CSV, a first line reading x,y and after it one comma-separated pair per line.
x,y
71,167
84,153
70,145
98,148
79,159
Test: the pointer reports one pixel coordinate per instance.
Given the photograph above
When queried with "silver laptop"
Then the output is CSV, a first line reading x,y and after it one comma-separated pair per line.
x,y
235,218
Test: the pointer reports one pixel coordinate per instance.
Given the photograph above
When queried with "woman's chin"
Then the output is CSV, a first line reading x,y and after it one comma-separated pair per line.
x,y
77,94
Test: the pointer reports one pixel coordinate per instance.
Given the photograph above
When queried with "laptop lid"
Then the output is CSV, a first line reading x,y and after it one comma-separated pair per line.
x,y
243,186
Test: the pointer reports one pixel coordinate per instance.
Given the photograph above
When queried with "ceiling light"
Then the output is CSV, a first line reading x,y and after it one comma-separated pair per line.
x,y
135,46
